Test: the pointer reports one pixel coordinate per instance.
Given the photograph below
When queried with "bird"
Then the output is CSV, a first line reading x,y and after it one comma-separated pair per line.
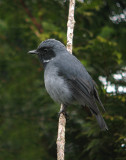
x,y
67,80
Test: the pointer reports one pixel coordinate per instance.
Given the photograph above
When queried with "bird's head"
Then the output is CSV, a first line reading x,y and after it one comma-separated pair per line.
x,y
48,49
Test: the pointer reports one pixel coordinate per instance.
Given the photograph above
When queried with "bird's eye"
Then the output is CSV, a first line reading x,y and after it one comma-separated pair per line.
x,y
45,51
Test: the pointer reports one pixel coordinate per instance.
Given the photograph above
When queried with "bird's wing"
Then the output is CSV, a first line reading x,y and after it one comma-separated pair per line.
x,y
83,93
97,97
80,82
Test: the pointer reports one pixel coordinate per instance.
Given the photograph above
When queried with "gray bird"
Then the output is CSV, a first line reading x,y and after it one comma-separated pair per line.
x,y
66,79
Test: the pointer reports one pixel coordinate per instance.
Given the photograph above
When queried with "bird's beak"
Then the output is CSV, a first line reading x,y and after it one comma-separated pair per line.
x,y
33,52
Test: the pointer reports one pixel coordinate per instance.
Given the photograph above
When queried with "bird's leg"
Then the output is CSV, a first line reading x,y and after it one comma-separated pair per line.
x,y
63,110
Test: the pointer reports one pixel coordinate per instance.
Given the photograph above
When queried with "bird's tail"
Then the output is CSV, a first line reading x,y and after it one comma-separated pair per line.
x,y
101,122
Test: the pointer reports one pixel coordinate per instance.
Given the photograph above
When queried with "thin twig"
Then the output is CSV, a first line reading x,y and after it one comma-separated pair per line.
x,y
33,19
62,118
61,136
70,26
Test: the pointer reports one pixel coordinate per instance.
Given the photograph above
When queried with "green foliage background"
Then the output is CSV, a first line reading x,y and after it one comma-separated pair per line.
x,y
28,116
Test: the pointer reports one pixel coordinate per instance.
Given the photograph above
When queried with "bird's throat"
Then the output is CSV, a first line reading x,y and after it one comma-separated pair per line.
x,y
46,61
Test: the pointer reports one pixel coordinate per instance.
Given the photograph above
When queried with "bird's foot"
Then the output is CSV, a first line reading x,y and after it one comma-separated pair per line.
x,y
63,111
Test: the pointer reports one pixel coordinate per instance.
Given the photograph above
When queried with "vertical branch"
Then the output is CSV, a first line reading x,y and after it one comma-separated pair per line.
x,y
62,118
61,136
70,26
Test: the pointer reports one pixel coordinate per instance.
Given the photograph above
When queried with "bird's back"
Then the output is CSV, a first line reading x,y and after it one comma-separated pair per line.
x,y
71,66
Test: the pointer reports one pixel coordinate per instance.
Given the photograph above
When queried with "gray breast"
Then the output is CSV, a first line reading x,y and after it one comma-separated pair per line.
x,y
56,86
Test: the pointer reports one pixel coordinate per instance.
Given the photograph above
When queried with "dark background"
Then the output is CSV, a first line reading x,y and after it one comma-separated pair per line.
x,y
28,116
